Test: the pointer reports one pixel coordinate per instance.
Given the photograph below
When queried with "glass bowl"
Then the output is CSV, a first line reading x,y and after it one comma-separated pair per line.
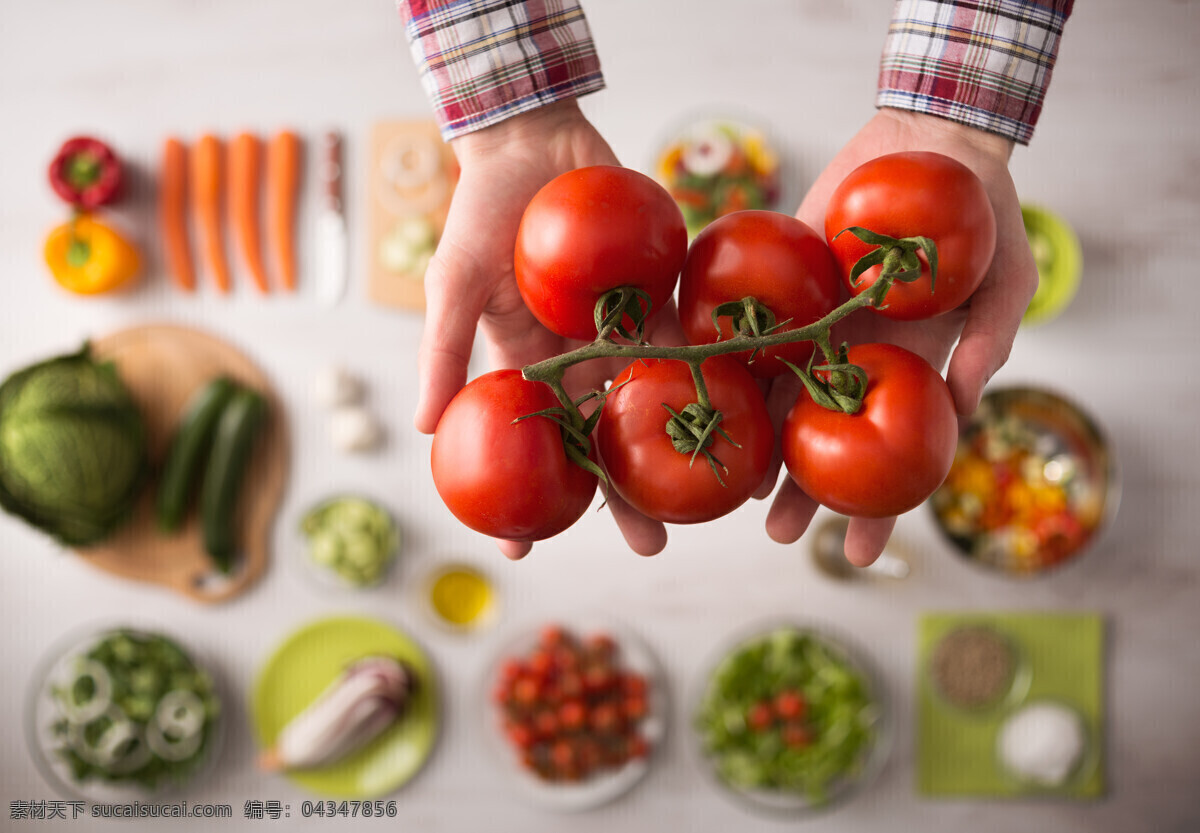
x,y
1033,485
975,660
842,688
603,787
106,727
1082,768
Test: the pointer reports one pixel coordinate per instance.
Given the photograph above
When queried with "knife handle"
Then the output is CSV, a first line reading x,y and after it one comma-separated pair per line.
x,y
331,176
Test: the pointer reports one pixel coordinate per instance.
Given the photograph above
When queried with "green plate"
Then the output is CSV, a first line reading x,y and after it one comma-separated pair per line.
x,y
1059,259
1064,654
306,663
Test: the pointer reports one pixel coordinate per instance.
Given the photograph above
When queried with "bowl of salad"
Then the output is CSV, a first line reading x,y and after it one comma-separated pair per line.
x,y
792,720
123,713
1033,484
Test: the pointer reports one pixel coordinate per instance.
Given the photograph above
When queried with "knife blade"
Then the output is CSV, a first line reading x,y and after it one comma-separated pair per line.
x,y
330,230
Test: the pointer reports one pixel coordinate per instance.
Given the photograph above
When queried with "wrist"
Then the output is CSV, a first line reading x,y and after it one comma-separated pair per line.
x,y
992,144
521,129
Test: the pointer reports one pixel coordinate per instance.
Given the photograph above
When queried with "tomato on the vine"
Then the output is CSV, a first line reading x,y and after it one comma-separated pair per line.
x,y
772,257
887,457
589,231
507,479
915,194
640,457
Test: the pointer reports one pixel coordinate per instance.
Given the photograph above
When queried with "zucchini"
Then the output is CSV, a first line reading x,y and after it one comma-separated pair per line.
x,y
232,445
191,443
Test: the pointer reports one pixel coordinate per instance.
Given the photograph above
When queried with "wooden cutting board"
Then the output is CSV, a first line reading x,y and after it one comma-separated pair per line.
x,y
412,175
163,365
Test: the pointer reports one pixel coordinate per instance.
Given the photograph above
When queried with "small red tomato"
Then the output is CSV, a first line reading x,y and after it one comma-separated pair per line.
x,y
634,685
526,691
553,636
634,708
760,717
570,685
545,723
521,735
572,715
638,747
562,753
598,678
606,719
789,704
541,664
600,646
796,735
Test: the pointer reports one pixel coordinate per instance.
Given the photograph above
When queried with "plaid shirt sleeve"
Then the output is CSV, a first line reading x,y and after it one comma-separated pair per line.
x,y
483,61
985,63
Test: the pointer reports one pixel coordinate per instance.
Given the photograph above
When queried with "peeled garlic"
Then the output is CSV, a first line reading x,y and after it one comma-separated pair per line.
x,y
354,429
333,387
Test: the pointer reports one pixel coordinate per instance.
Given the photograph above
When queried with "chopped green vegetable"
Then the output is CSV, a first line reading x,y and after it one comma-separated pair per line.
x,y
353,537
72,448
807,757
136,711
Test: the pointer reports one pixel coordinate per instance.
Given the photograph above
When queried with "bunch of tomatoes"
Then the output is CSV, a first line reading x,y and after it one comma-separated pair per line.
x,y
683,434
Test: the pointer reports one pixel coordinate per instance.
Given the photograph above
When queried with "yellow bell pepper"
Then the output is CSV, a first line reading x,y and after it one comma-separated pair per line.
x,y
87,257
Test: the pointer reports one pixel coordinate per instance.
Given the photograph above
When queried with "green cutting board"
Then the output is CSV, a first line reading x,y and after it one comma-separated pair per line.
x,y
956,750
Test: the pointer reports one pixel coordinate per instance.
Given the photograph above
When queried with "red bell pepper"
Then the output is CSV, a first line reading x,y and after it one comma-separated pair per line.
x,y
86,173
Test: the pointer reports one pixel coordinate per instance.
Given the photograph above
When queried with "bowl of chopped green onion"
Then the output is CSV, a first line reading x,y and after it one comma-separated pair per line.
x,y
792,720
122,713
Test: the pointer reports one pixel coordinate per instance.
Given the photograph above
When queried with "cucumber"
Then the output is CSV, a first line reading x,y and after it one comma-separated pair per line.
x,y
232,445
189,446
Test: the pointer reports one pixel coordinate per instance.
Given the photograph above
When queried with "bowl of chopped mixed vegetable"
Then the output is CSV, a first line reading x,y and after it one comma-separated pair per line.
x,y
792,720
123,713
1033,484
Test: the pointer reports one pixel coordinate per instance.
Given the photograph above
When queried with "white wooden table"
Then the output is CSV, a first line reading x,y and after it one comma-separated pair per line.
x,y
1115,153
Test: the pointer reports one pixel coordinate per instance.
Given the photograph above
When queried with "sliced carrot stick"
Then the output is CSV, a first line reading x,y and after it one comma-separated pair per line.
x,y
206,198
172,214
283,182
245,183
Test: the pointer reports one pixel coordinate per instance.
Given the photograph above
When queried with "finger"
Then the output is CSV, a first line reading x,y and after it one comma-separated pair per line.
x,y
790,513
453,303
780,399
644,535
866,538
514,550
992,321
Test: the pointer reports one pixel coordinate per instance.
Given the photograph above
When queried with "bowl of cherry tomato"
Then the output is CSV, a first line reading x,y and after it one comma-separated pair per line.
x,y
1033,484
792,720
575,714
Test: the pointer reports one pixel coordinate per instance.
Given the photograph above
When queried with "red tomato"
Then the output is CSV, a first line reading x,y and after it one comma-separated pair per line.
x,y
767,255
592,230
505,479
889,456
760,717
908,195
789,704
643,465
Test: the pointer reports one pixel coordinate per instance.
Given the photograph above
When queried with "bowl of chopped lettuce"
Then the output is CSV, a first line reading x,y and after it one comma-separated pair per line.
x,y
122,713
792,720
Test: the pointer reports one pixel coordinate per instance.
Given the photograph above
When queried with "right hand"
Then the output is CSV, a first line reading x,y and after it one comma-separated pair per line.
x,y
470,282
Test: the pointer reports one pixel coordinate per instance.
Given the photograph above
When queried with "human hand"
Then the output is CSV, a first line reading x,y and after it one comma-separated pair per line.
x,y
470,281
984,327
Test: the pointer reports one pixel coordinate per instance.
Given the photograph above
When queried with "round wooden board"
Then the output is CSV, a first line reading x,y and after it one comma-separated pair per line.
x,y
163,365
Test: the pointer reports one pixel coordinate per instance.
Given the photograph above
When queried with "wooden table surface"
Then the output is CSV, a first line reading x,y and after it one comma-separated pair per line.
x,y
1115,153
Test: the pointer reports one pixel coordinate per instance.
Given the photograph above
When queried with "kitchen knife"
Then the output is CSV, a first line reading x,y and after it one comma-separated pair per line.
x,y
330,232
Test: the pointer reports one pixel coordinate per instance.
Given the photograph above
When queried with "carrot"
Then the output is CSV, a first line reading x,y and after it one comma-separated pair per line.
x,y
245,175
172,213
206,198
283,180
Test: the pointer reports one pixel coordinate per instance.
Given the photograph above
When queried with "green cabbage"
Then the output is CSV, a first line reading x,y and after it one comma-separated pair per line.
x,y
72,448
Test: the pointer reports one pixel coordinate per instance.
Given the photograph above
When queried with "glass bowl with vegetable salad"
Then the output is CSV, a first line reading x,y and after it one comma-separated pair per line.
x,y
792,720
123,713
